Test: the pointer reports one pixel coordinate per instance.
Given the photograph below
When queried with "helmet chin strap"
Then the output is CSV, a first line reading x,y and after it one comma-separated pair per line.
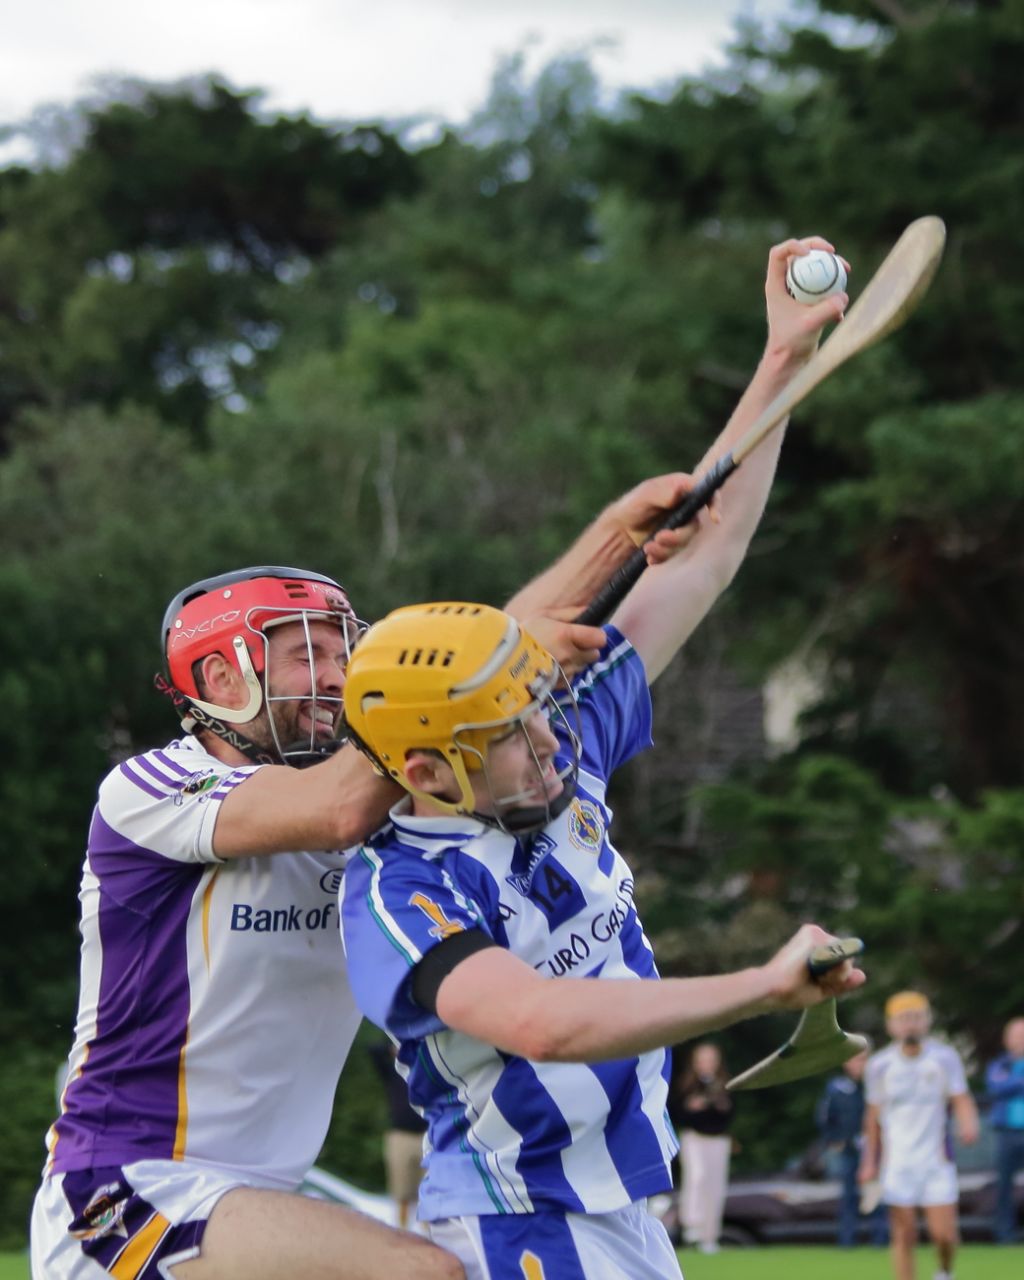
x,y
241,715
194,715
301,755
529,819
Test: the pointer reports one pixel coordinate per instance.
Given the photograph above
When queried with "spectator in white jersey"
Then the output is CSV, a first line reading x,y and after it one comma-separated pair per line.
x,y
214,1015
911,1087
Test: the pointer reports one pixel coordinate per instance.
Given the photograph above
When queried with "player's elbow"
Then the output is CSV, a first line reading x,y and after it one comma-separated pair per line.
x,y
532,1033
546,1035
518,1035
500,1000
543,1048
542,1044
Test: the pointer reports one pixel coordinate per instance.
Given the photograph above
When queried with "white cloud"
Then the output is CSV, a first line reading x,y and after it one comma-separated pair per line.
x,y
350,58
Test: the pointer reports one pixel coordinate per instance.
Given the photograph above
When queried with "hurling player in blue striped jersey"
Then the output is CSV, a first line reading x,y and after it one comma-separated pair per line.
x,y
490,927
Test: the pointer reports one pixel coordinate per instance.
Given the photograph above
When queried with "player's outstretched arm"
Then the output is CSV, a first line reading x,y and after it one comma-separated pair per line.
x,y
494,996
577,575
548,605
671,599
333,805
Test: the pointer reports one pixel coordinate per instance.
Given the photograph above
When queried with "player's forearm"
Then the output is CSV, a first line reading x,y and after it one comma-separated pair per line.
x,y
872,1139
745,494
577,576
966,1114
582,1020
671,600
332,805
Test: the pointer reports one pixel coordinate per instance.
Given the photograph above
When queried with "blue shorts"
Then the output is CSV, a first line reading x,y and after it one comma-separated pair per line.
x,y
131,1222
628,1244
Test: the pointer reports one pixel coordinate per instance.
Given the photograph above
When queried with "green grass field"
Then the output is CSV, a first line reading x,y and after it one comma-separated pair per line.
x,y
976,1262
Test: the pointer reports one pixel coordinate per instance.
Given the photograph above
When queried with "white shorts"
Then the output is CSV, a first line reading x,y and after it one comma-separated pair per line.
x,y
921,1185
140,1219
629,1244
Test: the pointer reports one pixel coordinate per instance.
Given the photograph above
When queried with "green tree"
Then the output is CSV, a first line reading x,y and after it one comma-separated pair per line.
x,y
146,267
909,586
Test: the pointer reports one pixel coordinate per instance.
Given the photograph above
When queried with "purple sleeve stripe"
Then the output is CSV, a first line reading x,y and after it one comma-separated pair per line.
x,y
142,784
154,772
168,763
228,784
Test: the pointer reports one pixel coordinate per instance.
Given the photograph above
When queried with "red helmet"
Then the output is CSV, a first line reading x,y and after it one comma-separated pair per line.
x,y
230,615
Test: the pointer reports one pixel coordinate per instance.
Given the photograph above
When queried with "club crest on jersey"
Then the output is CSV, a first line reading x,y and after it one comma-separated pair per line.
x,y
586,825
198,784
443,927
103,1214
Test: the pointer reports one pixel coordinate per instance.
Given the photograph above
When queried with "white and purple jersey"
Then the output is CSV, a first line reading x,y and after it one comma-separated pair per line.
x,y
912,1094
214,1014
510,1136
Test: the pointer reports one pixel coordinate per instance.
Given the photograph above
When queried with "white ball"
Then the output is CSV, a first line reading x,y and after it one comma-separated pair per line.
x,y
815,275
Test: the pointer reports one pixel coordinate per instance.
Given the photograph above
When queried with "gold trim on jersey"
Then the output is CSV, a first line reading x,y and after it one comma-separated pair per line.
x,y
137,1252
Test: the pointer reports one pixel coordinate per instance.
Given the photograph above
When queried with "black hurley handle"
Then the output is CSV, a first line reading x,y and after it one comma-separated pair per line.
x,y
626,575
830,954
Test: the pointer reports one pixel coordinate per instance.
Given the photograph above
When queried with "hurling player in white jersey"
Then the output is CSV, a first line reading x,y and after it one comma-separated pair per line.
x,y
215,1014
911,1087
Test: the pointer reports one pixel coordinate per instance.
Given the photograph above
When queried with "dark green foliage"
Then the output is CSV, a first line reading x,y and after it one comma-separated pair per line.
x,y
27,1088
172,223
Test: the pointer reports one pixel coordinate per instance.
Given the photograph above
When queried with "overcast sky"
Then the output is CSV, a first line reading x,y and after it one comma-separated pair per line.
x,y
350,59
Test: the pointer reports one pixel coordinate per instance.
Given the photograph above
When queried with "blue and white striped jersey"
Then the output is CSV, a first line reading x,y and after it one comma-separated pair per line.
x,y
508,1135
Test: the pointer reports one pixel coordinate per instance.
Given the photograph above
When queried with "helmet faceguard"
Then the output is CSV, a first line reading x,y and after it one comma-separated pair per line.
x,y
452,679
231,615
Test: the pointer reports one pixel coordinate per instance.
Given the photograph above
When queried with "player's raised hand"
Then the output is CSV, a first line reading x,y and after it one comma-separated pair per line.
x,y
572,644
795,327
643,508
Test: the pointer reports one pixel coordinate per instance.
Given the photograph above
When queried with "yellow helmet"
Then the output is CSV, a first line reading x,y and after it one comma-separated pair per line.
x,y
906,1002
449,677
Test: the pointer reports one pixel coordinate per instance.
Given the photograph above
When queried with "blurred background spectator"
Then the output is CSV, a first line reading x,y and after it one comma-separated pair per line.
x,y
840,1119
702,1111
1004,1089
403,1139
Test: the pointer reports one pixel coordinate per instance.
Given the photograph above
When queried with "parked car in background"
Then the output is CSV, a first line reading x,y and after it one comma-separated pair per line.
x,y
800,1205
